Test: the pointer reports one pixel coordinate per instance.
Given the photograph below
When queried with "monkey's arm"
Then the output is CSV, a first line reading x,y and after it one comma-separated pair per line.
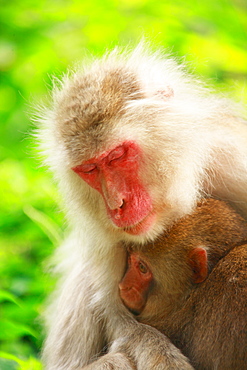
x,y
149,349
80,336
220,308
76,330
112,361
141,347
88,315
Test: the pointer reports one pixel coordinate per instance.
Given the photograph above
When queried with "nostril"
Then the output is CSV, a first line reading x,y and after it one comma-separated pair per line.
x,y
119,210
121,206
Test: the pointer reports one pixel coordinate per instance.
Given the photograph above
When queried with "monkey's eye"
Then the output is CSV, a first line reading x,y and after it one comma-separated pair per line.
x,y
143,268
85,168
116,154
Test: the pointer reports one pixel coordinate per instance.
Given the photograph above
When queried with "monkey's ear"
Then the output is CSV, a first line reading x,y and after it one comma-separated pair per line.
x,y
198,261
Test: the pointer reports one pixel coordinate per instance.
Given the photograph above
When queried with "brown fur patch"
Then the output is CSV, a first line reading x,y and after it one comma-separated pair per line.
x,y
92,102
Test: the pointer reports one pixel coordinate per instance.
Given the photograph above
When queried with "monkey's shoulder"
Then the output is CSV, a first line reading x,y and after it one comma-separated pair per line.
x,y
226,286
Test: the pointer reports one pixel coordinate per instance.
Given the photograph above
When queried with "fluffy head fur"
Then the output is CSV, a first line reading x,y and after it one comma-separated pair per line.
x,y
147,98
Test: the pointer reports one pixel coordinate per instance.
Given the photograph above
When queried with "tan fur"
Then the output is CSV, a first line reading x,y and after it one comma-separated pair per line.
x,y
206,321
193,143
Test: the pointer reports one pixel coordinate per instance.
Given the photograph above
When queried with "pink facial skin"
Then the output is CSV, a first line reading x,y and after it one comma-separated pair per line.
x,y
114,175
137,281
135,284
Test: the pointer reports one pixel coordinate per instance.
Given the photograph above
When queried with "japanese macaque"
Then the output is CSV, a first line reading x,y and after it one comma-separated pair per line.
x,y
134,143
191,284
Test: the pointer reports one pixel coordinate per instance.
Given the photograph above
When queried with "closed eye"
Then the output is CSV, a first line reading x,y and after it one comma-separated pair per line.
x,y
117,154
85,168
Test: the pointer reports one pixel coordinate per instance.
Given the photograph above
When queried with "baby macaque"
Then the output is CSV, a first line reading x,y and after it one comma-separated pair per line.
x,y
191,284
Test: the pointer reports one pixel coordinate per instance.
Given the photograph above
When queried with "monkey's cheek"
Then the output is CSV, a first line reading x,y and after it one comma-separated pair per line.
x,y
133,300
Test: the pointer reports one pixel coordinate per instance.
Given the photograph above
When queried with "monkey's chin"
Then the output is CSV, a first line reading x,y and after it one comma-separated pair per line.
x,y
143,226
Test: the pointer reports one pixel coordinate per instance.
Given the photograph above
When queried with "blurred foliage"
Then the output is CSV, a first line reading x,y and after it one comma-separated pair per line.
x,y
42,38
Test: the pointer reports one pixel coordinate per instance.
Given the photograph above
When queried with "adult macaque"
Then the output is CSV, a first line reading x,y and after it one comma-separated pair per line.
x,y
191,284
134,144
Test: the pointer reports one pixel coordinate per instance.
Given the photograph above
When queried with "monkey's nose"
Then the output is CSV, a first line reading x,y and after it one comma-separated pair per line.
x,y
122,204
116,205
118,211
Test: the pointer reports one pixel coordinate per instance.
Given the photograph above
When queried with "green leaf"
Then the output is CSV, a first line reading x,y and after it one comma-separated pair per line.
x,y
48,226
11,329
29,364
7,296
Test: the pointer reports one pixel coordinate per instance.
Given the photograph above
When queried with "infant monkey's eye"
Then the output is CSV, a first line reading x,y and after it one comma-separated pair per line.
x,y
143,268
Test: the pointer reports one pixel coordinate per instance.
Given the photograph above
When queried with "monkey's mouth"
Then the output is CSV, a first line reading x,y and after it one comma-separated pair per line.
x,y
143,226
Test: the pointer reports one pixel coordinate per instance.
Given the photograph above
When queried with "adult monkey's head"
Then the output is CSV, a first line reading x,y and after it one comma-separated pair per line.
x,y
127,126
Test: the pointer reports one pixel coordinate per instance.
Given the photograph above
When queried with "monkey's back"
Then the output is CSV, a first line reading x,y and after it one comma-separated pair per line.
x,y
215,335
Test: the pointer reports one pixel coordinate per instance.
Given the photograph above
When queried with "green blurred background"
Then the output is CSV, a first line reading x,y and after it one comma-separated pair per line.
x,y
40,39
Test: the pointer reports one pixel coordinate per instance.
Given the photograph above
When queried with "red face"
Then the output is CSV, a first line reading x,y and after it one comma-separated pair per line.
x,y
135,284
115,175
